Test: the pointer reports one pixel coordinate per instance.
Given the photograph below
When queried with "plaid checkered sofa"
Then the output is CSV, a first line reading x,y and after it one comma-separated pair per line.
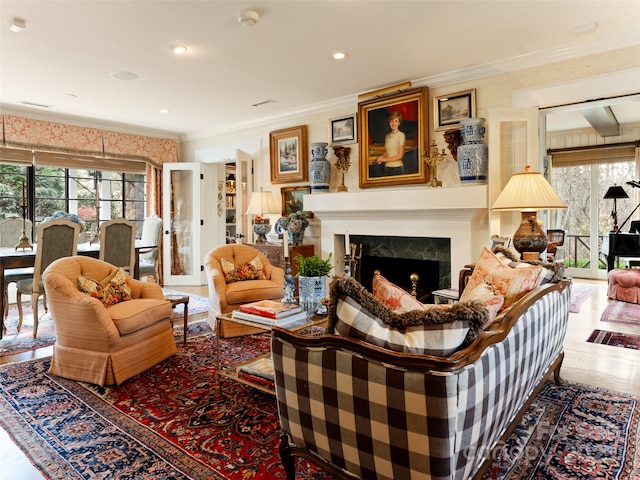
x,y
362,411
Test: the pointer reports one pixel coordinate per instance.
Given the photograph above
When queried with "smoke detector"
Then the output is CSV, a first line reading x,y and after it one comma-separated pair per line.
x,y
248,18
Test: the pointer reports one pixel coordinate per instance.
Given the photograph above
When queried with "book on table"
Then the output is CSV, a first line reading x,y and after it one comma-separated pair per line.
x,y
260,370
282,321
271,308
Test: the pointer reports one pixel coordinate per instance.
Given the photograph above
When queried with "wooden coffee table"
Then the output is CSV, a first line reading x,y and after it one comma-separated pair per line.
x,y
177,300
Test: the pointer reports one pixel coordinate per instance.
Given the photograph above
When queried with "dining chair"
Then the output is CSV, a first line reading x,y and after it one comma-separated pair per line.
x,y
55,239
149,262
118,243
10,233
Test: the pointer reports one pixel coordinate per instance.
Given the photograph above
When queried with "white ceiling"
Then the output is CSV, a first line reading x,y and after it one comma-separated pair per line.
x,y
64,57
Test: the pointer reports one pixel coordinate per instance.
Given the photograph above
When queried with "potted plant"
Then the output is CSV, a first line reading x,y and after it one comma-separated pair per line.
x,y
312,287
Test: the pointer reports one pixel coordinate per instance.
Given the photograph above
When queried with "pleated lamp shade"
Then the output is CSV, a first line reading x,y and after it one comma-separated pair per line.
x,y
528,192
261,203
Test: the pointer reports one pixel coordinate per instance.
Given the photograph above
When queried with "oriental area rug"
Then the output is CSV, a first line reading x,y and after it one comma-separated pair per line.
x,y
615,339
621,312
167,423
14,342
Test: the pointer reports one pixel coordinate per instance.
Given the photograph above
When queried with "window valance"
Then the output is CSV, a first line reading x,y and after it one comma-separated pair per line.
x,y
592,155
26,141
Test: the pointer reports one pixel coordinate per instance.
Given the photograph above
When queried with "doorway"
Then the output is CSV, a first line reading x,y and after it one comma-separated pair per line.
x,y
583,160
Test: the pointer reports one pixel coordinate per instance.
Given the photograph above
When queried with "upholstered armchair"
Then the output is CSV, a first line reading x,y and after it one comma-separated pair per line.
x,y
101,344
226,296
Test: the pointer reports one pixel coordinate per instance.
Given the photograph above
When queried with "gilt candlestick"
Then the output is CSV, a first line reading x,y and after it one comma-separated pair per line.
x,y
342,164
24,241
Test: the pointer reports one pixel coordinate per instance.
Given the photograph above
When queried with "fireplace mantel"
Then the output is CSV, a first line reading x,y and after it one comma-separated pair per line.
x,y
458,213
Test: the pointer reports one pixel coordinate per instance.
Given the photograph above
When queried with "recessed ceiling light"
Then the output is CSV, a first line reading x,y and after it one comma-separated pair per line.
x,y
164,110
17,24
178,49
339,55
124,75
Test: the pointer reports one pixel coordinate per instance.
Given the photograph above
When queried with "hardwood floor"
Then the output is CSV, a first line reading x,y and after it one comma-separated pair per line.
x,y
599,365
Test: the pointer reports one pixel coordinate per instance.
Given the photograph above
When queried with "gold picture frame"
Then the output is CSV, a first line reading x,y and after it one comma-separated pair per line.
x,y
343,130
374,119
292,200
448,110
288,153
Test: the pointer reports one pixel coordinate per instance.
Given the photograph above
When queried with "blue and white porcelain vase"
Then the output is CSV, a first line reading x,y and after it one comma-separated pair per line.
x,y
473,154
319,168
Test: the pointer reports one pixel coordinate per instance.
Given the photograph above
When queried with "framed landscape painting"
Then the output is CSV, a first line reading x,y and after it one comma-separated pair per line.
x,y
292,200
393,137
343,130
450,109
288,152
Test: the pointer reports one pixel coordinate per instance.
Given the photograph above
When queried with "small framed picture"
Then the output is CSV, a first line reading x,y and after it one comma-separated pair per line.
x,y
448,110
292,200
288,152
343,130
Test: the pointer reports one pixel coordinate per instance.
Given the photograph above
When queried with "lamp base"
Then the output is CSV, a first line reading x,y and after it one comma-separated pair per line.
x,y
261,230
529,240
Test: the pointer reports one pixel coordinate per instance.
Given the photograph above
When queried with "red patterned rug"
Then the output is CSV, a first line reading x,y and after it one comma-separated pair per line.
x,y
167,423
615,339
14,342
621,312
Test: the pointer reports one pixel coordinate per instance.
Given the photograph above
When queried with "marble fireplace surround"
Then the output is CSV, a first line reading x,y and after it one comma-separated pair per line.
x,y
458,213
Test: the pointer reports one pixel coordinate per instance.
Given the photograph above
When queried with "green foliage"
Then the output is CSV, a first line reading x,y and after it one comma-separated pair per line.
x,y
313,266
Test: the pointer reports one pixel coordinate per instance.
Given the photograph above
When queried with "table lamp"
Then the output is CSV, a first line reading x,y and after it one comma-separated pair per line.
x,y
616,191
261,203
528,192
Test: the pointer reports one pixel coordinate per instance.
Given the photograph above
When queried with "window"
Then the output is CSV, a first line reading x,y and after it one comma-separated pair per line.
x,y
91,194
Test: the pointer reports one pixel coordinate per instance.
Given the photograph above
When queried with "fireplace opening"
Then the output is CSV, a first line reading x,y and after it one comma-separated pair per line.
x,y
398,257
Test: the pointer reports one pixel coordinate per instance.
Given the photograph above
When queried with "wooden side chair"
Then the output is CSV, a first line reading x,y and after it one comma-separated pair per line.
x,y
118,243
150,257
55,239
10,233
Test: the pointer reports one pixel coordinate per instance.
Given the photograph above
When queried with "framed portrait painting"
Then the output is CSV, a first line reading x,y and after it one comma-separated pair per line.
x,y
393,137
343,130
292,200
288,153
448,110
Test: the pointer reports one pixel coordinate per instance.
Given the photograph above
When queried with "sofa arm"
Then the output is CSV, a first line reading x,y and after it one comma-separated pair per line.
x,y
140,289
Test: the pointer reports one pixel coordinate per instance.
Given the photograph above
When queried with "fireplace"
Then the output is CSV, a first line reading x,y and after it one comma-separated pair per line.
x,y
398,258
456,216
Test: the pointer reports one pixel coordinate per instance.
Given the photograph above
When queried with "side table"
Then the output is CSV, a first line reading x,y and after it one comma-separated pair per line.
x,y
446,295
177,300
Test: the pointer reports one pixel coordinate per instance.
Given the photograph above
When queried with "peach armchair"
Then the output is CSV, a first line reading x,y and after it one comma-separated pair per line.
x,y
99,344
225,297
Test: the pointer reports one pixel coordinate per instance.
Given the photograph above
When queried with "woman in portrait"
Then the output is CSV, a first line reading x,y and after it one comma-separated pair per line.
x,y
394,142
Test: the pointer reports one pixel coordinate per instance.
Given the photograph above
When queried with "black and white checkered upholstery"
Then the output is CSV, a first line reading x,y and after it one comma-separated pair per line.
x,y
387,415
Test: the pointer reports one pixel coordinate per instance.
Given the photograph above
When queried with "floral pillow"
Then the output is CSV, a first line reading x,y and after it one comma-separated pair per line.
x,y
110,290
512,283
253,270
393,296
487,294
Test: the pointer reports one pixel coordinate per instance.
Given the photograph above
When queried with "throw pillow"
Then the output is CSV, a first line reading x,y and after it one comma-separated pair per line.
x,y
435,330
393,296
513,283
112,289
551,271
487,294
116,288
90,287
253,270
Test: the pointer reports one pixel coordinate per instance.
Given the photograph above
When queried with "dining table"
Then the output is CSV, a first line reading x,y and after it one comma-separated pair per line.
x,y
25,257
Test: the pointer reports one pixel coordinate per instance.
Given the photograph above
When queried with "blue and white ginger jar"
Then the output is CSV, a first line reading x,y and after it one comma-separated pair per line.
x,y
473,154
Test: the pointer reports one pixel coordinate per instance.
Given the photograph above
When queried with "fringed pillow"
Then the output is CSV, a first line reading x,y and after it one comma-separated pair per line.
x,y
551,271
435,330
